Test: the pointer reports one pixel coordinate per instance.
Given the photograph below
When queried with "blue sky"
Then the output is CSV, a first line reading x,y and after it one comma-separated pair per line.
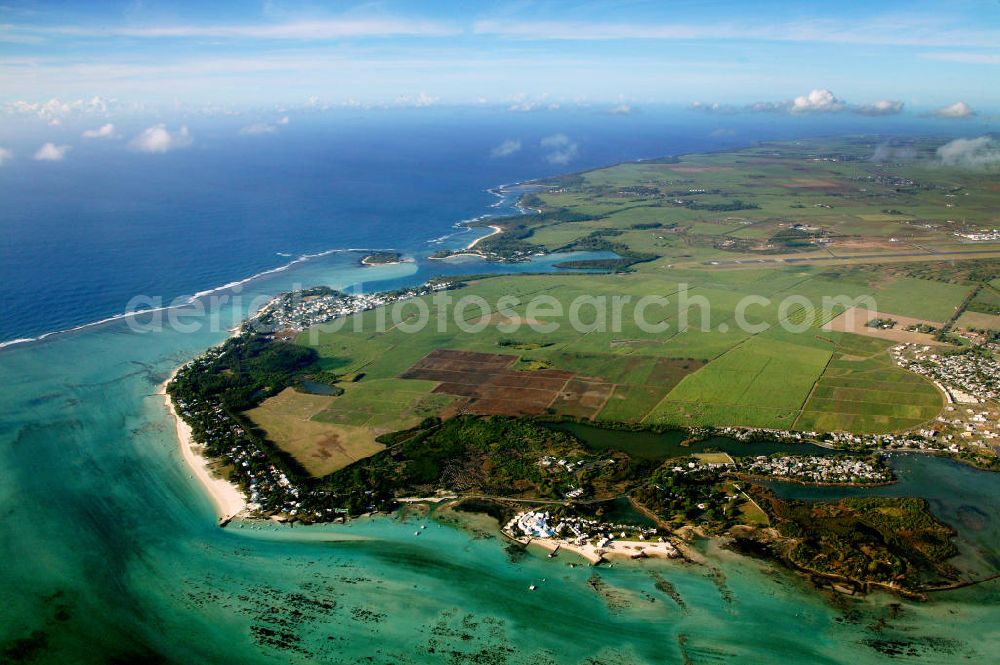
x,y
524,55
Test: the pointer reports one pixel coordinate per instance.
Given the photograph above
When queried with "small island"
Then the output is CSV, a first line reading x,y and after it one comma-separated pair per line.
x,y
382,258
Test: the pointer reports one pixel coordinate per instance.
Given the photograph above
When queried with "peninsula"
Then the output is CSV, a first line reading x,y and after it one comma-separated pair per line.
x,y
699,423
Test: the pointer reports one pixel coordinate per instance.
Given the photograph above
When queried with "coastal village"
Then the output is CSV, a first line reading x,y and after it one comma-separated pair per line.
x,y
589,538
818,470
969,377
295,311
269,489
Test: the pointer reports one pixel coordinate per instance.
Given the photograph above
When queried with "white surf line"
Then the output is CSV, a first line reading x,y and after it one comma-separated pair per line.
x,y
188,301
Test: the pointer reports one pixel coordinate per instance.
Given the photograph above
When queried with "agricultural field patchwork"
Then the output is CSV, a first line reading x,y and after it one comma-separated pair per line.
x,y
806,231
862,391
759,383
716,375
321,448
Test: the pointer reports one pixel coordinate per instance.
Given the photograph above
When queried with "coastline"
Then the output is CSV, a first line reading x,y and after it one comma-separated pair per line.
x,y
623,549
371,264
228,500
455,256
496,231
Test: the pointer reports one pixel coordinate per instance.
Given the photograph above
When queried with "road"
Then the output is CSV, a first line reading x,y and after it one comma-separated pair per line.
x,y
850,257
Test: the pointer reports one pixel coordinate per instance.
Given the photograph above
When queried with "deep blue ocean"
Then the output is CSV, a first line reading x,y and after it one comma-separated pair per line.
x,y
83,236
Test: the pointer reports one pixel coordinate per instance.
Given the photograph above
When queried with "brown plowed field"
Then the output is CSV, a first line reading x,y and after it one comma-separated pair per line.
x,y
488,384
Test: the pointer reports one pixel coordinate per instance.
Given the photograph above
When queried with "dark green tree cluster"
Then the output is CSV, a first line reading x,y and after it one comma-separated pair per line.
x,y
249,369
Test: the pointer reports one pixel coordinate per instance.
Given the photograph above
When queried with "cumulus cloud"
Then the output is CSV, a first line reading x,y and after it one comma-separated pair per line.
x,y
715,107
5,156
506,149
50,152
972,153
819,100
522,103
106,131
622,109
524,107
559,149
158,139
881,107
421,100
956,110
529,106
55,109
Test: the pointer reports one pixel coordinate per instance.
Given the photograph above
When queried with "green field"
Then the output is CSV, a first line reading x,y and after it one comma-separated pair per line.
x,y
759,383
288,420
744,204
718,376
861,391
709,232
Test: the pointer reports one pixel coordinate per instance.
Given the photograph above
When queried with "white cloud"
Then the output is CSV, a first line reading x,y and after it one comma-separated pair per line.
x,y
715,107
106,131
421,100
956,110
972,153
5,156
560,149
50,152
524,103
528,106
283,120
506,149
158,139
55,109
622,109
817,101
881,107
523,107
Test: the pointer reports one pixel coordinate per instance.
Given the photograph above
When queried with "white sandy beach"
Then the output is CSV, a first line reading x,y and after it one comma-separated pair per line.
x,y
496,230
620,549
228,499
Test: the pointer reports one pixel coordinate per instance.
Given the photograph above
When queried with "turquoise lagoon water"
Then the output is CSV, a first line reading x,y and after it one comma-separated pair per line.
x,y
111,554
